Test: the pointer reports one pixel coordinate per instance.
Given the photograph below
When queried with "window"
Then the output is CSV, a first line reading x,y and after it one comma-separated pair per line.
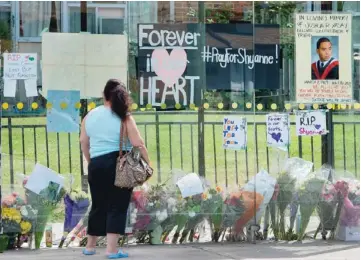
x,y
354,8
74,20
102,17
5,25
111,25
36,17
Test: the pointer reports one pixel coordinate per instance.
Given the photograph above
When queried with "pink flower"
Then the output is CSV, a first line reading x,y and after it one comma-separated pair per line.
x,y
9,201
25,181
350,214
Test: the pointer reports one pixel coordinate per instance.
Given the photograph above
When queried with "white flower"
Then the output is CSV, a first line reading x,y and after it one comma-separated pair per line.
x,y
24,211
174,209
209,196
191,214
171,202
135,211
150,204
157,213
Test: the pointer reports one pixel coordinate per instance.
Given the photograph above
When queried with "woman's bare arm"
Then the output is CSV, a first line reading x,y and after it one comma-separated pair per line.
x,y
135,138
84,142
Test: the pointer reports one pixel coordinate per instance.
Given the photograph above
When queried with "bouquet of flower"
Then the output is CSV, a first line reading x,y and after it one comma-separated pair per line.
x,y
309,197
76,205
150,211
45,202
212,208
350,214
327,206
193,214
286,184
17,217
264,184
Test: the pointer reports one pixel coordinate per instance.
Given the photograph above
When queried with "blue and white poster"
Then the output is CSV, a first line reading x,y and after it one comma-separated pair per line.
x,y
234,133
63,111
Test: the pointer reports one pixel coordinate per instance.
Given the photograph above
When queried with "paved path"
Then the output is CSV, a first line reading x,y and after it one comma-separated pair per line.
x,y
319,250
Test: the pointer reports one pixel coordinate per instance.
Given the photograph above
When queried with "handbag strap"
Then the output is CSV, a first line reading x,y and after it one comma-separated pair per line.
x,y
121,143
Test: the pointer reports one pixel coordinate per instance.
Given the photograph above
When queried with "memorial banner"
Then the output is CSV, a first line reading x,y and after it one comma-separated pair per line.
x,y
323,58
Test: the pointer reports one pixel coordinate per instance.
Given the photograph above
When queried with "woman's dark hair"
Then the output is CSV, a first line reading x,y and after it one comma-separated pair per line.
x,y
116,93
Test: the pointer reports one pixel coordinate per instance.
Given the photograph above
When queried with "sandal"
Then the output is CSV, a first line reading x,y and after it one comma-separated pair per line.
x,y
118,255
86,252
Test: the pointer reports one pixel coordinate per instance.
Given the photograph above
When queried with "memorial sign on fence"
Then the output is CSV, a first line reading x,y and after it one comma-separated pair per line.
x,y
278,127
324,58
310,123
234,133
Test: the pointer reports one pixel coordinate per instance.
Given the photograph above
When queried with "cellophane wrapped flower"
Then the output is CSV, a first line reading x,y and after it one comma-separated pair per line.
x,y
76,205
17,217
241,206
212,208
327,205
350,213
44,203
309,196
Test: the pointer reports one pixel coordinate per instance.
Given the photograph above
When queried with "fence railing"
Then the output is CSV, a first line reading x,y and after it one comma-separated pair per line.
x,y
172,141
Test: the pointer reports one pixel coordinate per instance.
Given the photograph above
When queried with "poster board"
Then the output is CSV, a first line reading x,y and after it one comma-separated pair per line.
x,y
278,126
234,133
311,123
324,58
62,113
20,66
83,62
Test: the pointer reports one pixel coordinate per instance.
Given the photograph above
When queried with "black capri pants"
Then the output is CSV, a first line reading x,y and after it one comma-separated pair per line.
x,y
110,204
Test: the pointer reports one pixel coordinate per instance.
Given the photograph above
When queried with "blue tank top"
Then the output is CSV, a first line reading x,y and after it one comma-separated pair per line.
x,y
103,129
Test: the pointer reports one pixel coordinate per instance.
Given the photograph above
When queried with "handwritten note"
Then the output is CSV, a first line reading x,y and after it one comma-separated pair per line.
x,y
310,123
324,77
234,133
278,126
190,185
20,66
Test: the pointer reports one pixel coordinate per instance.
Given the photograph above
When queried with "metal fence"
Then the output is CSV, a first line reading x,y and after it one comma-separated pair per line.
x,y
173,143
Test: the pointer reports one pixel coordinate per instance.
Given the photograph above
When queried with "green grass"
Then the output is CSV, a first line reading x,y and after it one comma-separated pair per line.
x,y
179,154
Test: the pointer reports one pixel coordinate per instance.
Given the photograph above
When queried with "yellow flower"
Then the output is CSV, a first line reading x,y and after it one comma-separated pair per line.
x,y
25,227
218,189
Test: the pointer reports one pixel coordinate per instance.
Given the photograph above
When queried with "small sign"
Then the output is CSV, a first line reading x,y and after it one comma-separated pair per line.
x,y
190,185
234,133
278,126
311,123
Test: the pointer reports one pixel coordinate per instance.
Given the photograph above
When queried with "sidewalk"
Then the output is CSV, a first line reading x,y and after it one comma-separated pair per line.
x,y
320,250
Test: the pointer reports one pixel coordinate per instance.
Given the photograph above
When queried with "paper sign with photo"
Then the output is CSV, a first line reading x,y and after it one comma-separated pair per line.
x,y
324,58
310,123
190,185
42,177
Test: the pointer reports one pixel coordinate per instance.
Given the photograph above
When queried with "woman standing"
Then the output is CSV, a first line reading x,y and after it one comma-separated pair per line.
x,y
100,144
